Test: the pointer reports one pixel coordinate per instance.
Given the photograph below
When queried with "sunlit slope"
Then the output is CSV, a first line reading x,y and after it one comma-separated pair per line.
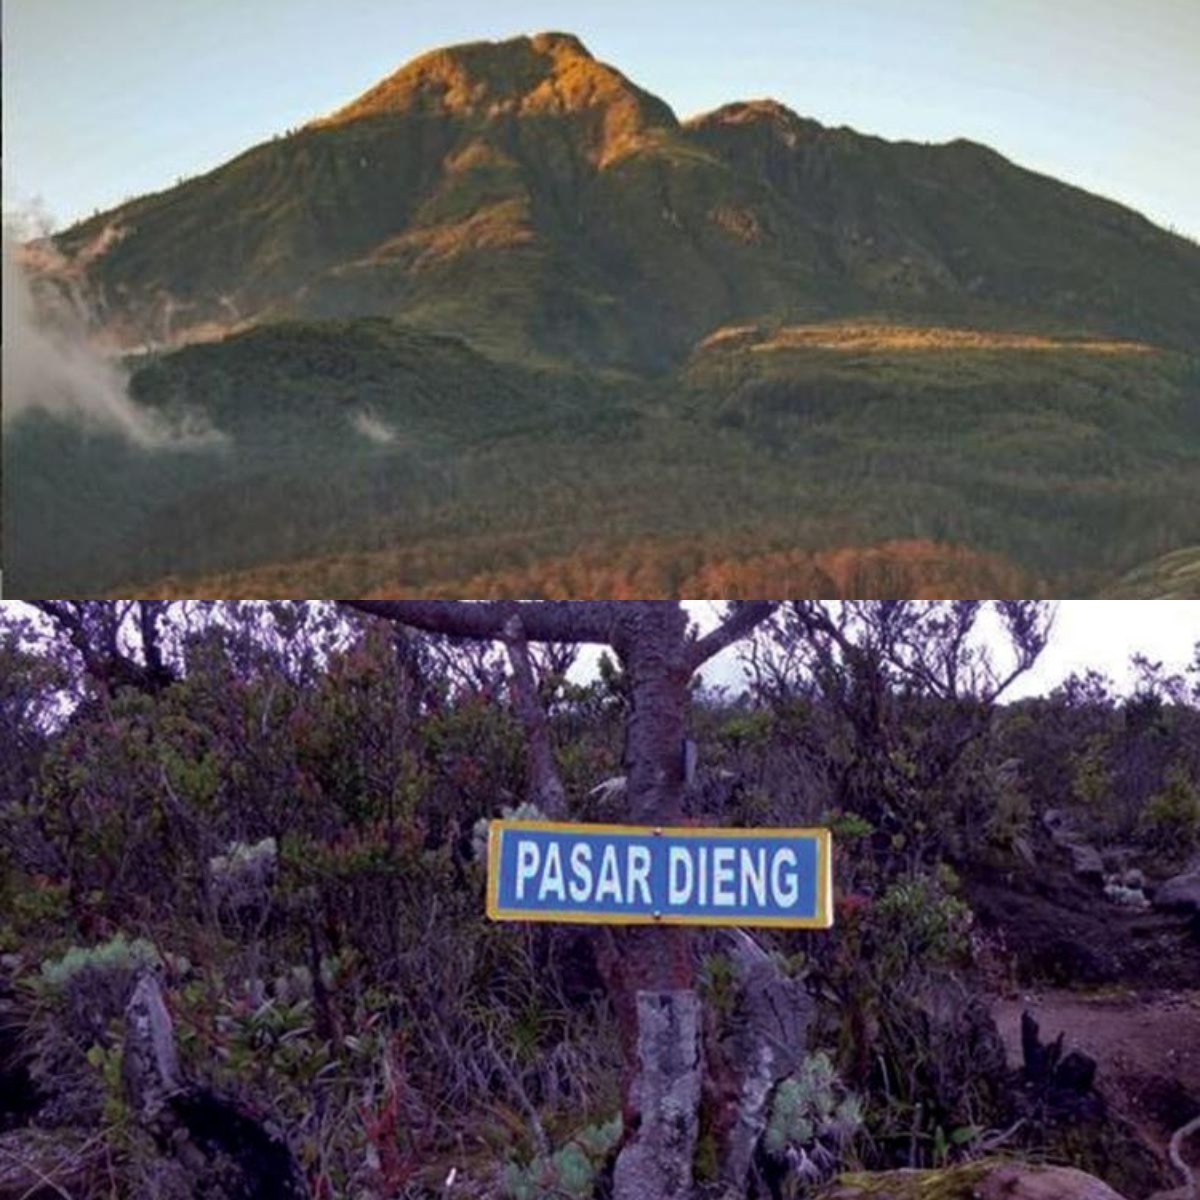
x,y
634,569
536,201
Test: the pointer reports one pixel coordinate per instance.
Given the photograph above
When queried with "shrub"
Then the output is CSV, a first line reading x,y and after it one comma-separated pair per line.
x,y
813,1117
569,1171
1171,819
116,956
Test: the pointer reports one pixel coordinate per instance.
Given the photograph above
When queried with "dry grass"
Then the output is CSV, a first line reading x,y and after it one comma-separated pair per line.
x,y
868,338
886,338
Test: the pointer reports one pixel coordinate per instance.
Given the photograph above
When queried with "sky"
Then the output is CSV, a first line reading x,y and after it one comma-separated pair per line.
x,y
106,99
1101,635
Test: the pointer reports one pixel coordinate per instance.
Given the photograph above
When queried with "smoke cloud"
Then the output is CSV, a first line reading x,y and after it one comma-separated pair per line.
x,y
373,428
49,365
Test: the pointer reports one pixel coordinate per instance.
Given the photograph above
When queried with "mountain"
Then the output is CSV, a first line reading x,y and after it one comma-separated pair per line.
x,y
572,310
527,196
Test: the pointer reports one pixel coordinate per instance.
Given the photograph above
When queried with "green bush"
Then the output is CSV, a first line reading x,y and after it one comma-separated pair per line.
x,y
569,1171
1171,819
813,1116
918,920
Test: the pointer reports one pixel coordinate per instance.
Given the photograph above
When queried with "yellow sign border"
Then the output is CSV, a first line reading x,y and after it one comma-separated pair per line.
x,y
822,920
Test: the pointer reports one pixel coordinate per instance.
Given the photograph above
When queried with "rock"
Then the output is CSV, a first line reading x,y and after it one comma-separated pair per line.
x,y
206,1139
666,1094
1126,897
767,1044
1017,1181
1181,892
1059,1081
1058,824
972,1181
222,1146
1085,860
149,1068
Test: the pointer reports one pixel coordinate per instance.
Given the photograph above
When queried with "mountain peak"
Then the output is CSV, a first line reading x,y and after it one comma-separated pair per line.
x,y
544,72
552,42
756,112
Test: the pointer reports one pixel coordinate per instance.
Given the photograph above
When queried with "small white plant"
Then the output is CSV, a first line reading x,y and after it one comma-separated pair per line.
x,y
245,856
812,1118
117,954
519,812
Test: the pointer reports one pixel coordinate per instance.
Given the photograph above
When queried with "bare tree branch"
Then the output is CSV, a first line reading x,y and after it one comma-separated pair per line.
x,y
542,620
1175,1153
742,621
543,775
94,629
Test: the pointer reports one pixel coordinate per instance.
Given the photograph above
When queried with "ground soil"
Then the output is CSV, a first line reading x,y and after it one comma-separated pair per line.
x,y
1057,929
1146,1046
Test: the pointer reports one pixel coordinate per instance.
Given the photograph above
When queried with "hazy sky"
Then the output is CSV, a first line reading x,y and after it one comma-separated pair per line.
x,y
1099,634
105,99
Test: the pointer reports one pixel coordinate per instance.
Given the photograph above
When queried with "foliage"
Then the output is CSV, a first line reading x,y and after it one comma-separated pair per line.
x,y
356,996
116,955
919,922
459,343
1171,819
570,1171
812,1113
912,1041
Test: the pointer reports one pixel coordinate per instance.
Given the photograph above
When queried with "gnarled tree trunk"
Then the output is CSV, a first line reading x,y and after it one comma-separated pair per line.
x,y
649,969
653,988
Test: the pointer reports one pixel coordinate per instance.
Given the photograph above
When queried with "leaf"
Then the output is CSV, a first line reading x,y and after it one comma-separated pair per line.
x,y
964,1134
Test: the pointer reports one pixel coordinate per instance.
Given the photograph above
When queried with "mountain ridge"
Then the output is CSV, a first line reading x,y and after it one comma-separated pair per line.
x,y
576,208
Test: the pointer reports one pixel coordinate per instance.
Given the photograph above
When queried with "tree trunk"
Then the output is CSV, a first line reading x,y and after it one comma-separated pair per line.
x,y
648,969
651,968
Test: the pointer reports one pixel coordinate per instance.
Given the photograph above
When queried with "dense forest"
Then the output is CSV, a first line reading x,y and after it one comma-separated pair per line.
x,y
244,951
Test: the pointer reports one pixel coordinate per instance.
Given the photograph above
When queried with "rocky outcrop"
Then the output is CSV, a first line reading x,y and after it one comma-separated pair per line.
x,y
974,1181
764,1044
149,1066
1180,892
1086,861
206,1145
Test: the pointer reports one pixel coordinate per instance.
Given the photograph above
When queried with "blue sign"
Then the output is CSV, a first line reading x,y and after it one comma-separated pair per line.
x,y
626,874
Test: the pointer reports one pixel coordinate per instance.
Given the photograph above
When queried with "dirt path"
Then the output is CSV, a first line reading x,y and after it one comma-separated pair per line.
x,y
1146,1046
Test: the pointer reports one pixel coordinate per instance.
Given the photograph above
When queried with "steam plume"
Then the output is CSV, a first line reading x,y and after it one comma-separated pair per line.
x,y
50,365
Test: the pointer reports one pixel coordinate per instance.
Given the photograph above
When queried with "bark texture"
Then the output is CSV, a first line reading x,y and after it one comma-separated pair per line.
x,y
544,783
658,1163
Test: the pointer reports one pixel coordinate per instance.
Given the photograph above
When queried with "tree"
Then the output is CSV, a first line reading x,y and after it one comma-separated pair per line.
x,y
909,688
649,969
118,644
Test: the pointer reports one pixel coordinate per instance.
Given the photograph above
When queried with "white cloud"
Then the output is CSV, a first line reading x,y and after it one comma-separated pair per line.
x,y
49,365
